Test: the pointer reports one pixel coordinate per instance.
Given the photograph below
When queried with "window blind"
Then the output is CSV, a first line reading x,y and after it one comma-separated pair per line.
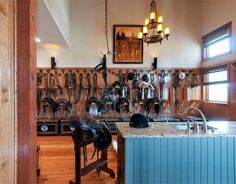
x,y
216,75
217,34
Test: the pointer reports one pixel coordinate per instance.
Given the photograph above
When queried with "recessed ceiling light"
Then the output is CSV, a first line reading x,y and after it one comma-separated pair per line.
x,y
52,46
37,40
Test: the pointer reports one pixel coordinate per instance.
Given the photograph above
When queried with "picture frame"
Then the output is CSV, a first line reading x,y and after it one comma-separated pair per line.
x,y
128,48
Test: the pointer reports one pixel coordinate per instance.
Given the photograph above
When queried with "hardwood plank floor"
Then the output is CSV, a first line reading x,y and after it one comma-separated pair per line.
x,y
56,158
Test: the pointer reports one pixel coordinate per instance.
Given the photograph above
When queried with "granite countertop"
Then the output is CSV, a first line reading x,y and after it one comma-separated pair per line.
x,y
166,129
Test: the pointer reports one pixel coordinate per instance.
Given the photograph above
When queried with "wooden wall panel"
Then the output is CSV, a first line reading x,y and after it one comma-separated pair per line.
x,y
50,79
7,106
26,92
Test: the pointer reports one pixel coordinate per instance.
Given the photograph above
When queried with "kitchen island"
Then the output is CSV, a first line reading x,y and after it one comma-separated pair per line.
x,y
162,154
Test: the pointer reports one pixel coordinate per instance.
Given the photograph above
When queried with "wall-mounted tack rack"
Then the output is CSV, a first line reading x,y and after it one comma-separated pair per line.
x,y
66,92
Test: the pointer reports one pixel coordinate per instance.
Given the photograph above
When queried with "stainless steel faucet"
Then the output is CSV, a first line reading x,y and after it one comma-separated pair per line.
x,y
202,115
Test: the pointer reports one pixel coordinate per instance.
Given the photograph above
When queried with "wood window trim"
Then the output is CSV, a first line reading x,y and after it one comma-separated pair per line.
x,y
25,20
218,103
218,68
7,94
227,25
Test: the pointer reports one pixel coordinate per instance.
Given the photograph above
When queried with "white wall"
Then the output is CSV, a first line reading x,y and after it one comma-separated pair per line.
x,y
87,33
216,13
60,11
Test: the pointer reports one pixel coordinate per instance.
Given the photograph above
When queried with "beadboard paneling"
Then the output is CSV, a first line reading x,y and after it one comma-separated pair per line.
x,y
180,160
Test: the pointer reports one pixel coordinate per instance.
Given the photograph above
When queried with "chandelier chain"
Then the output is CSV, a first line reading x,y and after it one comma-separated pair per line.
x,y
106,27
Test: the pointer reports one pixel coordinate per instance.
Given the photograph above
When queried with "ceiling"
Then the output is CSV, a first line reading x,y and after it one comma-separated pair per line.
x,y
47,29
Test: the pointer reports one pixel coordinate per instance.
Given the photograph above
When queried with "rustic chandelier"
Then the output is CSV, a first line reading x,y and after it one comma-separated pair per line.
x,y
153,28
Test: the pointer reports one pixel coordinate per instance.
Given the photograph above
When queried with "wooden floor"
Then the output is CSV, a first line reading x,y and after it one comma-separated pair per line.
x,y
56,157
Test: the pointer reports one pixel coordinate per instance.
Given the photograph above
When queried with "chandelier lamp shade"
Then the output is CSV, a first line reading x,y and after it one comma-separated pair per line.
x,y
153,31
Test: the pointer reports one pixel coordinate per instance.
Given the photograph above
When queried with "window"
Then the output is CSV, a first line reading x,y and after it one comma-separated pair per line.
x,y
216,84
217,42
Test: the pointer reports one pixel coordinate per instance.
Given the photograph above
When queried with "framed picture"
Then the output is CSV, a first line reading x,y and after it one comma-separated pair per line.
x,y
128,47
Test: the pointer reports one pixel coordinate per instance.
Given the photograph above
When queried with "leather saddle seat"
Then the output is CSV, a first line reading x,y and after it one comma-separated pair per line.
x,y
97,132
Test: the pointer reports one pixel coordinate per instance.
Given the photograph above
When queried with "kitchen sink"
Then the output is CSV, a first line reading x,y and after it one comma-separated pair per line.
x,y
179,126
185,118
184,126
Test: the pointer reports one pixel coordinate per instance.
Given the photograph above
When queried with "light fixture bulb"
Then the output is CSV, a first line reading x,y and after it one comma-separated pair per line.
x,y
159,28
167,31
140,35
152,16
37,40
146,22
145,30
160,19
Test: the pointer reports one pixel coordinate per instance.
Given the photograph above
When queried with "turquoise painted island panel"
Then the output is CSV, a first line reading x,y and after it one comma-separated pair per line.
x,y
180,160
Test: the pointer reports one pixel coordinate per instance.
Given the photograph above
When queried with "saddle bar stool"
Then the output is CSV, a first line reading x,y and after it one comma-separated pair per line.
x,y
82,137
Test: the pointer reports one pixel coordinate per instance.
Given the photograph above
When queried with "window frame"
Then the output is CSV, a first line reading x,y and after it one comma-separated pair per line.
x,y
205,84
228,28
